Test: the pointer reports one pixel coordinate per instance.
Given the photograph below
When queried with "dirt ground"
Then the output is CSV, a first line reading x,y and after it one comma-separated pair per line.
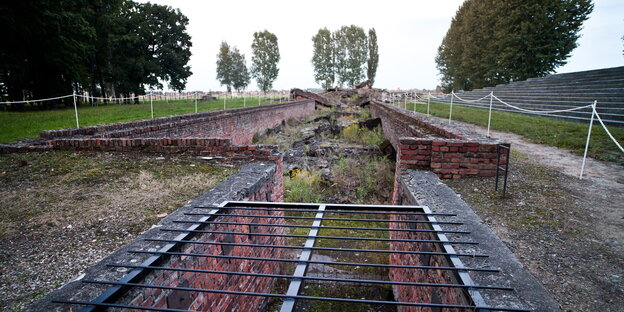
x,y
568,232
61,212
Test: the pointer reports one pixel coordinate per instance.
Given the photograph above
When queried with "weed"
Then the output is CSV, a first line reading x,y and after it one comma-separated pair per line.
x,y
364,180
363,136
304,187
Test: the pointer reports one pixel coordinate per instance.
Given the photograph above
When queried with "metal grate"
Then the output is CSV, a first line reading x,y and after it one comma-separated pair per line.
x,y
422,221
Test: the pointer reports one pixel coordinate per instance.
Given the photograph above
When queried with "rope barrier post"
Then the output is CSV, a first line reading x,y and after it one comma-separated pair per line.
x,y
224,97
151,105
451,110
195,102
405,100
490,113
591,123
244,100
76,110
414,102
428,100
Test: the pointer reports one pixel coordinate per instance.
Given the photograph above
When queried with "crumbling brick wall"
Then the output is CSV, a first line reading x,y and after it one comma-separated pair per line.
x,y
221,148
271,190
435,295
238,124
421,144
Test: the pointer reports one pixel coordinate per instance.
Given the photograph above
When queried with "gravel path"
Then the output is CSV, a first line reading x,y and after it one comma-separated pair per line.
x,y
568,232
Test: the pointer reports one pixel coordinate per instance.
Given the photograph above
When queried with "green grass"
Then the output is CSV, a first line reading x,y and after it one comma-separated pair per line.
x,y
560,133
355,134
23,125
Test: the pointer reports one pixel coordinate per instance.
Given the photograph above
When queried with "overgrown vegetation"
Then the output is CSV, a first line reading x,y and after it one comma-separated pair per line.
x,y
364,180
75,208
560,133
24,125
305,187
362,135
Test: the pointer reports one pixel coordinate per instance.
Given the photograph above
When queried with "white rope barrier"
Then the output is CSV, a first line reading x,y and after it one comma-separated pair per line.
x,y
491,95
40,100
607,130
541,111
109,98
469,101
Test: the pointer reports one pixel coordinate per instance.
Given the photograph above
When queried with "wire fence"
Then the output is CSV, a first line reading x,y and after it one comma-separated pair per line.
x,y
253,98
402,98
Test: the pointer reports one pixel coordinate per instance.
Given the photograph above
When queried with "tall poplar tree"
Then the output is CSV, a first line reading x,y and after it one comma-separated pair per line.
x,y
351,55
225,66
373,56
264,59
323,59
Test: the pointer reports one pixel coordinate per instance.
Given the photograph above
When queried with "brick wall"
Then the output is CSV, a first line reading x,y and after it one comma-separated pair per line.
x,y
449,158
423,144
221,148
270,190
399,123
436,295
239,124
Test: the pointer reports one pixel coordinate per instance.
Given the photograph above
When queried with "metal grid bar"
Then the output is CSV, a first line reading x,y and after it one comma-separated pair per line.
x,y
473,255
334,211
464,276
295,247
334,279
302,266
300,226
295,261
116,291
313,218
245,293
106,299
305,236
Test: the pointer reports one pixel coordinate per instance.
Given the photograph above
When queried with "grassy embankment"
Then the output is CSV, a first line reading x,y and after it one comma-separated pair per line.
x,y
560,133
16,126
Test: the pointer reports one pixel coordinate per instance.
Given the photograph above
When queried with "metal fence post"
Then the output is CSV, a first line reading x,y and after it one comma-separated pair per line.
x,y
490,113
451,110
76,110
151,105
428,100
591,123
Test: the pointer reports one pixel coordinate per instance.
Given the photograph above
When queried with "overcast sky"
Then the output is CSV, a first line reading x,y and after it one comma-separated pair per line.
x,y
409,33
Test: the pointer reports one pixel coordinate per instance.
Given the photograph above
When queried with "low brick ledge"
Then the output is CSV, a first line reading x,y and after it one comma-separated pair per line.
x,y
449,159
163,121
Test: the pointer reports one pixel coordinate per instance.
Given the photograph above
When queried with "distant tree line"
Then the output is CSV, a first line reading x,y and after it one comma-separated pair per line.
x,y
345,56
232,67
491,42
106,47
